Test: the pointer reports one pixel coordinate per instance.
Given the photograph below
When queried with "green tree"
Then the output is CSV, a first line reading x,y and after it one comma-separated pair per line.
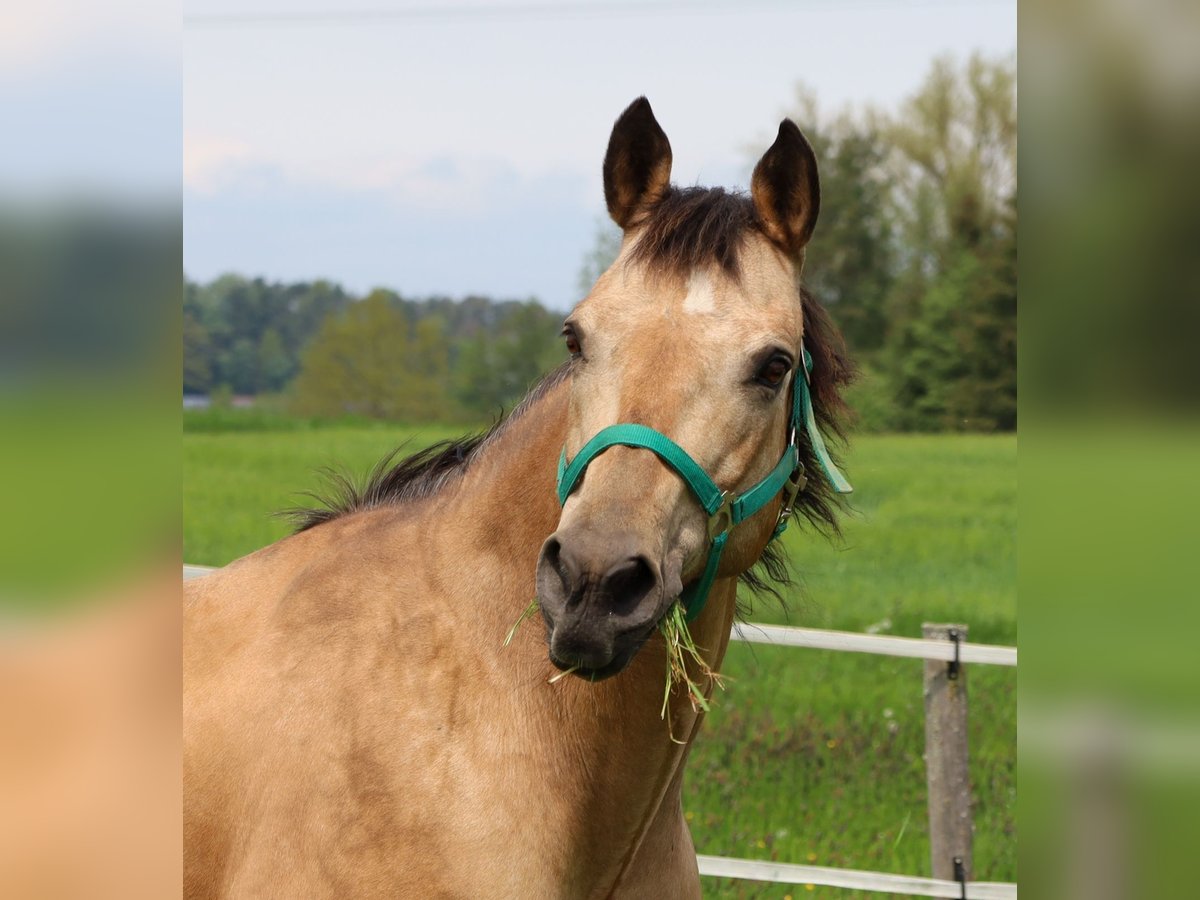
x,y
428,366
197,369
951,354
239,366
355,364
497,367
274,364
370,361
956,159
850,263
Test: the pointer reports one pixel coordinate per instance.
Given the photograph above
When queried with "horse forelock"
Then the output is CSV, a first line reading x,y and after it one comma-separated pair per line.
x,y
694,228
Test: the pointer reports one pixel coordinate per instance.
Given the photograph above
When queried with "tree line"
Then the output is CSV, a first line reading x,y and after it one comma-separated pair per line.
x,y
915,254
329,353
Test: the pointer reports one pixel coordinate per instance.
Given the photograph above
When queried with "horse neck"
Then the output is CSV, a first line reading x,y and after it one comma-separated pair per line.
x,y
604,749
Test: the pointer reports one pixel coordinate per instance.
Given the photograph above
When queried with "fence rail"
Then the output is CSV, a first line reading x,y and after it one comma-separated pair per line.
x,y
879,644
851,879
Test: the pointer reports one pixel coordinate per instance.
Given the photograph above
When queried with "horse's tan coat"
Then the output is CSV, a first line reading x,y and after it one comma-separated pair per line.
x,y
353,726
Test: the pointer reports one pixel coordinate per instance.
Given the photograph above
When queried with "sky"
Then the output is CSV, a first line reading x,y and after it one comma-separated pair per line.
x,y
455,148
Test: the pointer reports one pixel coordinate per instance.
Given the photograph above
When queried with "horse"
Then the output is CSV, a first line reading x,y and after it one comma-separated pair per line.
x,y
355,725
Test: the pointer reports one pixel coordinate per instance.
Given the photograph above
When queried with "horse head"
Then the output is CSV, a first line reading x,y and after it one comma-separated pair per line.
x,y
687,367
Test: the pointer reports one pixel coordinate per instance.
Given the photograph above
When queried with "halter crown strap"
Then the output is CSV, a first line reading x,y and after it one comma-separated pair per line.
x,y
724,510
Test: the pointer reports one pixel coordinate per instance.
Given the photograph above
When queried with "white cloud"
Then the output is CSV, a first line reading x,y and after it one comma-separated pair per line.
x,y
210,161
443,184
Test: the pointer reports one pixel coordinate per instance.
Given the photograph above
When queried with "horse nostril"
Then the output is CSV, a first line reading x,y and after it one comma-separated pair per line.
x,y
551,555
629,583
559,584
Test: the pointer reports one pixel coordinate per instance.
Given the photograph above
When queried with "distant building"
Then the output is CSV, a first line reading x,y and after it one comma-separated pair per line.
x,y
205,401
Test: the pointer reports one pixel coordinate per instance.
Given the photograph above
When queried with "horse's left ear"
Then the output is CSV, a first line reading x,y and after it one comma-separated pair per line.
x,y
786,191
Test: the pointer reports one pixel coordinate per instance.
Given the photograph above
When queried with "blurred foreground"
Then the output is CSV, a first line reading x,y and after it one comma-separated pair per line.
x,y
89,451
1110,199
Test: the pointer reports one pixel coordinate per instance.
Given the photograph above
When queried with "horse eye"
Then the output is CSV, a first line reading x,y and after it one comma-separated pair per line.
x,y
773,373
572,342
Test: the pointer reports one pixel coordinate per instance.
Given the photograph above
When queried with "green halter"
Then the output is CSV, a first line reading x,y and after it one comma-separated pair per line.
x,y
724,509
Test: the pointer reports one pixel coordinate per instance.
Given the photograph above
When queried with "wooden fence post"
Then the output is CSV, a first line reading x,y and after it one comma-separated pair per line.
x,y
946,770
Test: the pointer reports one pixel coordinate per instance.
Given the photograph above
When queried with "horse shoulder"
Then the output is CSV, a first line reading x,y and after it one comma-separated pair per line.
x,y
332,715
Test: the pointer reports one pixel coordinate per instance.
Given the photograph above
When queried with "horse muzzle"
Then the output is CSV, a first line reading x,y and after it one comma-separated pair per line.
x,y
601,597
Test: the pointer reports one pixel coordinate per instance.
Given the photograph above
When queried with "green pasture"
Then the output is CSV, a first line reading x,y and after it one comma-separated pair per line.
x,y
808,756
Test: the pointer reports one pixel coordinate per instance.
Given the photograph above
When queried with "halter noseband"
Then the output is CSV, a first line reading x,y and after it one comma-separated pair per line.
x,y
724,509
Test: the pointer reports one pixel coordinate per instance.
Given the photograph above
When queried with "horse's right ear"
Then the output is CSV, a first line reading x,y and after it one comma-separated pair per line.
x,y
637,166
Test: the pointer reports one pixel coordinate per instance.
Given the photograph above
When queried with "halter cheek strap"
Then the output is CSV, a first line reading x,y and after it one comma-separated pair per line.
x,y
724,509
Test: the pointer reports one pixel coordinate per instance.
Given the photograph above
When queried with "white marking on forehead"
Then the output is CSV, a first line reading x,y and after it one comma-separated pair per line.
x,y
701,294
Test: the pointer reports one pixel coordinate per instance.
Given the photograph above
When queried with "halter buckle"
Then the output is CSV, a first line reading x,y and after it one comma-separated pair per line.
x,y
722,520
794,485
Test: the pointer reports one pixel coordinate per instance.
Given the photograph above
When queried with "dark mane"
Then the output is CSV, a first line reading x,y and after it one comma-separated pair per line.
x,y
818,504
693,227
414,477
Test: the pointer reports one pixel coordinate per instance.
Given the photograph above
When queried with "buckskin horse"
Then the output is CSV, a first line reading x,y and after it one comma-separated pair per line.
x,y
354,726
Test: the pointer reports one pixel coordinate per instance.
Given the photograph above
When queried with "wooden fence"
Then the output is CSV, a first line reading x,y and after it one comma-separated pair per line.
x,y
946,654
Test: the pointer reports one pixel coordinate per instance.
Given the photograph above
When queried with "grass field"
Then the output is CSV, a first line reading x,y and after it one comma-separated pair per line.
x,y
808,756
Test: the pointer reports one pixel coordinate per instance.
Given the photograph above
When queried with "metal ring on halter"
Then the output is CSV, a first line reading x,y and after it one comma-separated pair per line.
x,y
721,521
795,484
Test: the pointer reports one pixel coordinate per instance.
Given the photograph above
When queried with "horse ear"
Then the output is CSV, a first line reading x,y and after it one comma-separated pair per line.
x,y
637,166
786,191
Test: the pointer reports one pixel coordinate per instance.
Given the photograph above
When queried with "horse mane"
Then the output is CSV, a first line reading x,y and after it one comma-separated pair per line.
x,y
688,228
818,504
414,477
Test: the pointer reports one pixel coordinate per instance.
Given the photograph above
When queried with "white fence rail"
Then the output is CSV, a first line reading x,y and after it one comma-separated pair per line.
x,y
879,644
850,879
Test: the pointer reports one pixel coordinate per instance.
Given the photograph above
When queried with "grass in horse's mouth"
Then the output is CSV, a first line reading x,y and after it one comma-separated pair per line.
x,y
680,646
528,613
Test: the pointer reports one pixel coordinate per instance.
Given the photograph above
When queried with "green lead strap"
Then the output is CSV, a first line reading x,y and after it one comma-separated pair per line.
x,y
695,596
835,478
